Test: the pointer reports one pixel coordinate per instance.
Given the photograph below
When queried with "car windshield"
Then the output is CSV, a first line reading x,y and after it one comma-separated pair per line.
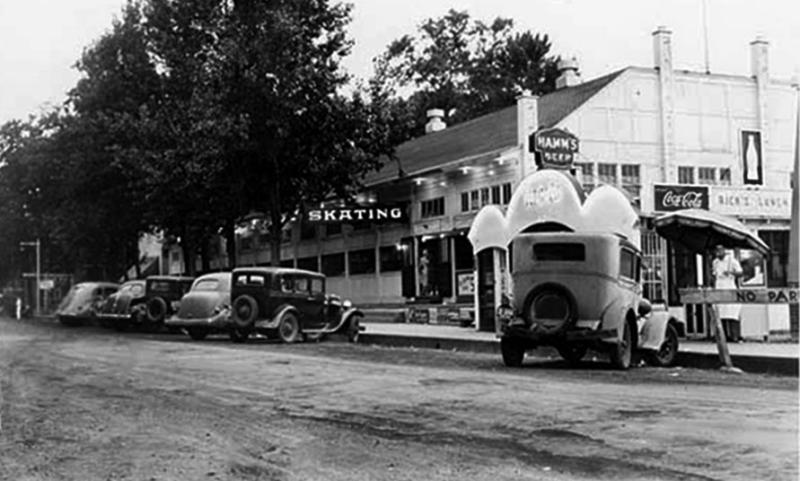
x,y
132,289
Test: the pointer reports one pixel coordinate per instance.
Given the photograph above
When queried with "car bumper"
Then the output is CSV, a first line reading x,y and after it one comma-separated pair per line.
x,y
114,317
218,321
571,335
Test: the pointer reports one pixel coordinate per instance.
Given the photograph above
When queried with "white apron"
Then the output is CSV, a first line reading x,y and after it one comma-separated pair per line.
x,y
726,281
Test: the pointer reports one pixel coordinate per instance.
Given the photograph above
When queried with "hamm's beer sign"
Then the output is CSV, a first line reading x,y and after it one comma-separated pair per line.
x,y
356,214
556,148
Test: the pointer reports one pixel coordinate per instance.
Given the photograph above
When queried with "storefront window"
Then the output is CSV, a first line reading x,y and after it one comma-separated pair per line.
x,y
433,268
506,192
333,264
496,194
465,202
631,180
587,176
686,175
778,242
391,258
362,261
308,263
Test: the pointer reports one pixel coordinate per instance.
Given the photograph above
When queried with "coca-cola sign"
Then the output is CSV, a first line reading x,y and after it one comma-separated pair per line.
x,y
676,197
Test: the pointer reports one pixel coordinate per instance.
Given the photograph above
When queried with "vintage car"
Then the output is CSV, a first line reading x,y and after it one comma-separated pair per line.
x,y
290,304
206,307
122,308
83,301
574,291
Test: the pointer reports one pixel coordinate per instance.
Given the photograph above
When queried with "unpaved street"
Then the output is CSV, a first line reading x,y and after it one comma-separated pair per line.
x,y
88,404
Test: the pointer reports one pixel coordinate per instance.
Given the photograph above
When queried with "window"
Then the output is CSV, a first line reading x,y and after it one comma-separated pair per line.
x,y
465,202
587,176
317,285
307,231
496,195
308,263
301,284
207,285
333,264
778,242
706,175
287,284
724,176
686,175
333,229
432,208
484,196
250,280
474,197
506,192
287,263
391,258
362,261
607,173
631,180
628,264
559,252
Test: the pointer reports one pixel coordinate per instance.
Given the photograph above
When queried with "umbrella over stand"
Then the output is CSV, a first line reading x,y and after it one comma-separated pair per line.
x,y
700,231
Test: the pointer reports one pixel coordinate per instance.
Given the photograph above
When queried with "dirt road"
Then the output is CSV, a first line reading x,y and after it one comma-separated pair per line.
x,y
88,404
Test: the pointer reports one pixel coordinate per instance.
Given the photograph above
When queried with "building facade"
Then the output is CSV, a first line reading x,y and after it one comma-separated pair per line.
x,y
669,138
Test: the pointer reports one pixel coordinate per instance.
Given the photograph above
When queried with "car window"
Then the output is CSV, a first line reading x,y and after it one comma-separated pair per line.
x,y
628,264
301,284
317,286
250,280
559,251
160,287
287,284
207,285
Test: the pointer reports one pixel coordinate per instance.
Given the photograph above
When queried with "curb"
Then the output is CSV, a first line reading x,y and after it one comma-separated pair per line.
x,y
752,364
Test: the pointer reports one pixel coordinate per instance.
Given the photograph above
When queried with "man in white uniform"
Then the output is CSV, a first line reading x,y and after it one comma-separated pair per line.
x,y
725,269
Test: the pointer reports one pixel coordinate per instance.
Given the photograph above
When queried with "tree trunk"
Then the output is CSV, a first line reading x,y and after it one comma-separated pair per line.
x,y
136,260
205,254
275,224
230,242
188,253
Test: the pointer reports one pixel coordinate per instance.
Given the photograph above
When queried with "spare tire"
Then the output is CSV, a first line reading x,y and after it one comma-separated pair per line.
x,y
156,310
245,311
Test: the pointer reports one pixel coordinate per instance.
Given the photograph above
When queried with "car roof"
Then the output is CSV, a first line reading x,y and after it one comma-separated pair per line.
x,y
278,271
215,275
169,278
98,284
577,236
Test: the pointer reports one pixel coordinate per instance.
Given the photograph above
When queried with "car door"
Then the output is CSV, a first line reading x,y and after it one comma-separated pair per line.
x,y
315,302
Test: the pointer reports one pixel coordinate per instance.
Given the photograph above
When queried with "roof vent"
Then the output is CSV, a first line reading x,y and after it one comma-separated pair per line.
x,y
435,122
568,73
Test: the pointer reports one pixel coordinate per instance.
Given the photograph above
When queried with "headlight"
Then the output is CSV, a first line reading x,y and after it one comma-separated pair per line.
x,y
347,304
175,305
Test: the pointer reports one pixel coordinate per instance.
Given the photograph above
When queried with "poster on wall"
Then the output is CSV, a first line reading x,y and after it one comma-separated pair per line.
x,y
466,283
752,157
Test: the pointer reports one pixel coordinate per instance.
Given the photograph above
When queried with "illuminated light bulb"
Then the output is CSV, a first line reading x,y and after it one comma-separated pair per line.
x,y
465,170
491,172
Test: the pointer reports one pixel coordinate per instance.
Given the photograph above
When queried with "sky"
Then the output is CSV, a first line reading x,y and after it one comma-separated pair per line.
x,y
40,40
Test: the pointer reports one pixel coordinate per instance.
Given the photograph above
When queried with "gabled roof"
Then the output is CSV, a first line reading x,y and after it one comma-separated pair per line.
x,y
488,134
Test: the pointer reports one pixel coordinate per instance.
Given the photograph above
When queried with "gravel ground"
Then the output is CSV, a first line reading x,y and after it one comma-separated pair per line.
x,y
89,404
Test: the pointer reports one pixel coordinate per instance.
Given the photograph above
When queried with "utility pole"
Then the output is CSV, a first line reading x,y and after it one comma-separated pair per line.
x,y
37,244
705,35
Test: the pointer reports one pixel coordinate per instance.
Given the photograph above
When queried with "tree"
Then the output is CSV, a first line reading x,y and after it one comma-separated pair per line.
x,y
465,67
305,141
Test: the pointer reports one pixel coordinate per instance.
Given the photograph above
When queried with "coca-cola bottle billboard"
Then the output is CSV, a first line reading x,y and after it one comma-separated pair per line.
x,y
676,197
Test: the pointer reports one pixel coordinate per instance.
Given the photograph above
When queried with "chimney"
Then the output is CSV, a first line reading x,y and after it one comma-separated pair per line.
x,y
759,68
435,122
662,48
568,73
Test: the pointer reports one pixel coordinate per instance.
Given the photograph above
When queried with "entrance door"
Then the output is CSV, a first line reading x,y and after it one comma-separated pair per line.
x,y
486,290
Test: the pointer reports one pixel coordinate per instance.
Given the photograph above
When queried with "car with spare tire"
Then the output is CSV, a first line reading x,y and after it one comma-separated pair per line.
x,y
288,304
576,291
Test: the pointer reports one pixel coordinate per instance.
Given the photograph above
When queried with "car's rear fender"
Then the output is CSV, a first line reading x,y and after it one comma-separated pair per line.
x,y
614,316
654,330
277,315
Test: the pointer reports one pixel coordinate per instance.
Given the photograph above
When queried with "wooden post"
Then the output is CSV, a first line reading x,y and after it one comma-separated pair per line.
x,y
719,335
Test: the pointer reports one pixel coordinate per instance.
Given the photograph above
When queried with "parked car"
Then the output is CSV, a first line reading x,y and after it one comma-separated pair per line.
x,y
290,304
574,291
206,307
163,298
124,307
82,302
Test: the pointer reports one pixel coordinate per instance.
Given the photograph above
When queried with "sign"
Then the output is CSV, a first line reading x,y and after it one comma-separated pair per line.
x,y
556,148
356,214
751,155
750,202
420,315
779,295
543,195
465,283
47,284
670,198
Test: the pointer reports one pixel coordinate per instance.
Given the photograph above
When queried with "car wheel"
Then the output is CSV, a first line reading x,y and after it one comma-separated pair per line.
x,y
572,353
156,310
513,352
668,351
244,312
238,336
289,328
622,352
196,333
354,329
